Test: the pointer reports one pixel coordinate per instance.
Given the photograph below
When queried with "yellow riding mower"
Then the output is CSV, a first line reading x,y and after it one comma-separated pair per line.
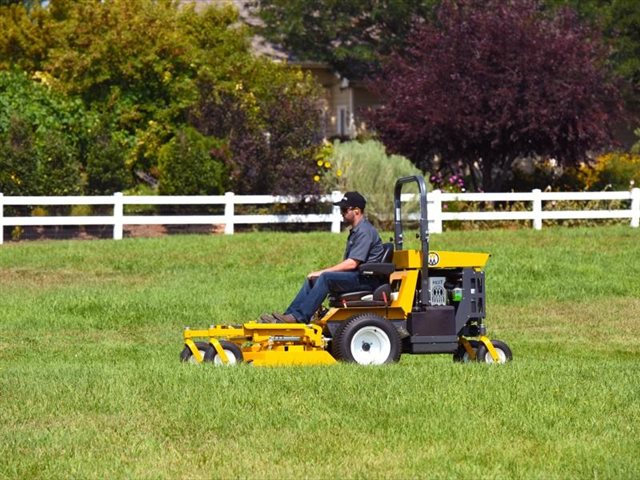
x,y
428,302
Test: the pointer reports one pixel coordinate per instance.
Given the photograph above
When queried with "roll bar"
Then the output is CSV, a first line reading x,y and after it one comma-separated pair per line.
x,y
424,229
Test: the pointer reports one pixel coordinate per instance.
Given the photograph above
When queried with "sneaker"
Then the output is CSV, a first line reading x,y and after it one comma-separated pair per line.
x,y
284,318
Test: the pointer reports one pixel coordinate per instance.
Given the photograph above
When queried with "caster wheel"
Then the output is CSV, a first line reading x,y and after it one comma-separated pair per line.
x,y
231,350
461,354
187,355
502,349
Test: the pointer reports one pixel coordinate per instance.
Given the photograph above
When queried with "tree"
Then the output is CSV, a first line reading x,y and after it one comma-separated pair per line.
x,y
494,81
106,171
27,35
271,125
146,67
26,3
348,35
619,20
130,57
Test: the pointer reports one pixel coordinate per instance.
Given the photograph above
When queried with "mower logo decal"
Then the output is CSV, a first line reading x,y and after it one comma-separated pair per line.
x,y
434,259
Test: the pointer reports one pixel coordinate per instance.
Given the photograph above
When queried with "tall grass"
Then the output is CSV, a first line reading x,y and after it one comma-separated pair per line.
x,y
91,385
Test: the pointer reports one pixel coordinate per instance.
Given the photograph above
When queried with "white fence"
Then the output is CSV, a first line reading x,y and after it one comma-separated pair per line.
x,y
536,214
437,213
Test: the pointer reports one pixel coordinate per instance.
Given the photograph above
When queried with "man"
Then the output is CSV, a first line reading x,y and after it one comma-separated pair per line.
x,y
363,246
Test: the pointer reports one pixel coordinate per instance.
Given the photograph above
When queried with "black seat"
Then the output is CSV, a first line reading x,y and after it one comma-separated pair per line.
x,y
381,296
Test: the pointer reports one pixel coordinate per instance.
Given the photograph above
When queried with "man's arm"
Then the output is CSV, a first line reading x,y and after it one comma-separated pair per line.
x,y
343,266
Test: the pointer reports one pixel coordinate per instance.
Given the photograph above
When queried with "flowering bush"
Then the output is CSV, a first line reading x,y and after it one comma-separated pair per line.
x,y
324,165
612,171
453,183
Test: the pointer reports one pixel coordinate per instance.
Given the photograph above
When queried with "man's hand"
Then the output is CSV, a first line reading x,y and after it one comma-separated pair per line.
x,y
344,266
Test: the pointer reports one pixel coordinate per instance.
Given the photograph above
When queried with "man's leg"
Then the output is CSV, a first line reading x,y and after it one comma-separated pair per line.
x,y
310,297
300,297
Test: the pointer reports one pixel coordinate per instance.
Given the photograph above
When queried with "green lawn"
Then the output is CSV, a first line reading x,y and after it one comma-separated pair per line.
x,y
91,385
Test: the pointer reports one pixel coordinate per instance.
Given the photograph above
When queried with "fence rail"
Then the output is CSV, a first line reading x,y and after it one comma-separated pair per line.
x,y
437,213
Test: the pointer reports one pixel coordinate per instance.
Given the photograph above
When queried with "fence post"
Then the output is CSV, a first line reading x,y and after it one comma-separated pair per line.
x,y
1,219
435,214
229,208
118,214
635,207
537,209
336,196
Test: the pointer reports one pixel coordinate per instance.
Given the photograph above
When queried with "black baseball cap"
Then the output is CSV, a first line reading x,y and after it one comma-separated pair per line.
x,y
352,199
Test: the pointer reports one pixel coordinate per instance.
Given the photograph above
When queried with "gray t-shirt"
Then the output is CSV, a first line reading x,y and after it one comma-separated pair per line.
x,y
364,244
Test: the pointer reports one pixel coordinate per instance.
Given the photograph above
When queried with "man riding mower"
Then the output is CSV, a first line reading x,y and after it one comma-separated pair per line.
x,y
420,302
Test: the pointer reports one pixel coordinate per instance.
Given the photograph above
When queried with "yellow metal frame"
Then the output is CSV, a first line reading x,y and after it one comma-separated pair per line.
x,y
412,259
265,343
490,348
487,343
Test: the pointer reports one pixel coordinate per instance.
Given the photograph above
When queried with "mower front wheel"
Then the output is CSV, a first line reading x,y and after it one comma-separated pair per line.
x,y
231,350
502,349
368,340
187,355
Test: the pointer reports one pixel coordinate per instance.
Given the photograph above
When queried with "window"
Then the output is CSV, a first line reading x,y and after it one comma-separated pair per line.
x,y
342,126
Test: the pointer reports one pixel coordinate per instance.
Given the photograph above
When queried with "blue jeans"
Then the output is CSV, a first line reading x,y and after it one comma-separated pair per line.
x,y
313,292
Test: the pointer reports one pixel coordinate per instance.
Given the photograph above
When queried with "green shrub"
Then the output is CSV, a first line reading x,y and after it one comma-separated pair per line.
x,y
58,168
187,167
17,158
366,168
32,164
41,137
106,168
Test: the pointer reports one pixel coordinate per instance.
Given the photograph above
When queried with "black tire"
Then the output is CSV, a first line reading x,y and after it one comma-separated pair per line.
x,y
368,340
333,343
503,350
187,356
461,355
233,352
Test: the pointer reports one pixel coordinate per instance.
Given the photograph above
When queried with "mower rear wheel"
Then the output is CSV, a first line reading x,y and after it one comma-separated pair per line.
x,y
231,350
461,354
502,349
368,340
332,347
187,355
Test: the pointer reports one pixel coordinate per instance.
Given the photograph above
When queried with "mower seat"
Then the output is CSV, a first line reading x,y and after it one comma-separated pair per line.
x,y
379,297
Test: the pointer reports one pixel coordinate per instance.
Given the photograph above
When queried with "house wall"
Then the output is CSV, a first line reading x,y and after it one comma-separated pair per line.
x,y
363,99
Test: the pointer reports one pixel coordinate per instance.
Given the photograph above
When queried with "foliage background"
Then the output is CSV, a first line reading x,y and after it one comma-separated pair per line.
x,y
120,80
94,94
599,39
